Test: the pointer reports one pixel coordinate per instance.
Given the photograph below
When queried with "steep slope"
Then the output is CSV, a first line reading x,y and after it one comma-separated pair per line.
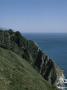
x,y
17,74
31,52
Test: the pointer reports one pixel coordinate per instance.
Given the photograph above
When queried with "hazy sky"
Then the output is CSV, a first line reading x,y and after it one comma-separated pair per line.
x,y
34,15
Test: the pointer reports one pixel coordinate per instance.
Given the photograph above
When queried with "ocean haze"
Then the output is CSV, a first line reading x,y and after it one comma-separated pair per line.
x,y
34,15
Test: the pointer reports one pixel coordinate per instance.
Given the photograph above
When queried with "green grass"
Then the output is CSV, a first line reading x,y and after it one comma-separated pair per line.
x,y
17,74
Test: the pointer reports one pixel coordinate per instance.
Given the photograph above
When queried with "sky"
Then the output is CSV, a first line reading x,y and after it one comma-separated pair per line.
x,y
34,15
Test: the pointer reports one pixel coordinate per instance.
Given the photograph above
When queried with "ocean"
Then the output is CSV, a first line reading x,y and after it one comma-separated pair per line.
x,y
54,45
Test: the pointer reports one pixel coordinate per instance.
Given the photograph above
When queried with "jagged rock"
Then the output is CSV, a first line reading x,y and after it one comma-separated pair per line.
x,y
46,67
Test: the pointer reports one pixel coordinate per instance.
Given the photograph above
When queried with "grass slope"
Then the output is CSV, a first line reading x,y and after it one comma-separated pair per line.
x,y
18,74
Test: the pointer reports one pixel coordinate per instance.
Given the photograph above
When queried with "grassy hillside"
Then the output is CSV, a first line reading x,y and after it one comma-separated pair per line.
x,y
17,74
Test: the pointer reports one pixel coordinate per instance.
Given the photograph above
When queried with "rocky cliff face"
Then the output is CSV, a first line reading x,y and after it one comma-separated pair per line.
x,y
32,53
47,68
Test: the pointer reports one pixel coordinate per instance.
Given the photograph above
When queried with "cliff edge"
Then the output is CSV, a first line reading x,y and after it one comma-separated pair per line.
x,y
28,50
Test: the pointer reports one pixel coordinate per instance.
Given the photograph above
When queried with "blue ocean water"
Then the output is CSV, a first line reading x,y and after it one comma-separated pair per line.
x,y
55,45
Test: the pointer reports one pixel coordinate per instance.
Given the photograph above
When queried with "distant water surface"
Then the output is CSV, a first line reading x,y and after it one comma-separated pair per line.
x,y
55,45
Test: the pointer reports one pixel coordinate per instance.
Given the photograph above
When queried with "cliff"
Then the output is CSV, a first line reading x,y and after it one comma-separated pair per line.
x,y
28,50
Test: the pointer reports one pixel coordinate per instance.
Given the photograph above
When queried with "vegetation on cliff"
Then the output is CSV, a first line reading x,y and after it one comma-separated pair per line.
x,y
19,57
17,74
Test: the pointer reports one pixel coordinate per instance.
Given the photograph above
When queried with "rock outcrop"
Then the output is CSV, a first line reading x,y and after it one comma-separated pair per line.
x,y
32,53
46,67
